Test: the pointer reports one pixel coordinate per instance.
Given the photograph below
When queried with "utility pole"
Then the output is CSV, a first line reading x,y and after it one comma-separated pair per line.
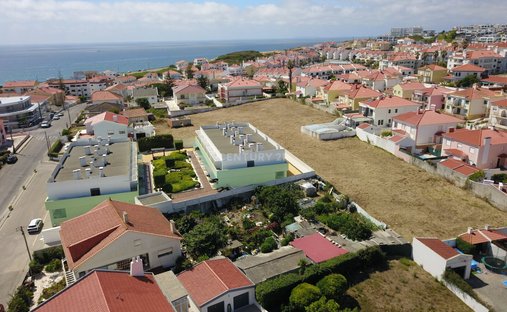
x,y
20,228
68,114
12,140
47,140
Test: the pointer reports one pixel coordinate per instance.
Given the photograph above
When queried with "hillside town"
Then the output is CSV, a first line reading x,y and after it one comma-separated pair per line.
x,y
368,174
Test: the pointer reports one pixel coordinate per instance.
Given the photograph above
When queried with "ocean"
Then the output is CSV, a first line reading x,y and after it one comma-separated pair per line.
x,y
40,62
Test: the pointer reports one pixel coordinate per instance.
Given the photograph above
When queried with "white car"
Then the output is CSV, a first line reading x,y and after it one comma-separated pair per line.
x,y
35,226
45,124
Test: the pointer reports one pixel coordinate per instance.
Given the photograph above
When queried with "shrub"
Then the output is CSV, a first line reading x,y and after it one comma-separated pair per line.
x,y
477,176
353,225
499,177
455,279
54,266
52,290
178,144
44,256
323,305
333,286
35,267
287,239
269,245
21,300
303,295
182,264
464,246
406,261
55,149
386,133
157,141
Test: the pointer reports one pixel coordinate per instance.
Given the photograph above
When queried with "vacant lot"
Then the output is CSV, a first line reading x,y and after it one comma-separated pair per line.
x,y
411,201
404,288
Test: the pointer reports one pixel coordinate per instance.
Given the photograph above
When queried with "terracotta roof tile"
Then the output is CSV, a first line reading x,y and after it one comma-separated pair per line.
x,y
105,96
390,101
482,236
476,137
468,68
136,112
427,117
108,116
439,247
318,248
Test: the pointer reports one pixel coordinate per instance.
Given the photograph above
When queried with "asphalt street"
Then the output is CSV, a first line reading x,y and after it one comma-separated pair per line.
x,y
23,186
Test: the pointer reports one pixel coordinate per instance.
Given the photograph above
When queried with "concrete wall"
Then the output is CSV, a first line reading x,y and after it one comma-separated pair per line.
x,y
51,236
228,298
132,244
490,193
469,301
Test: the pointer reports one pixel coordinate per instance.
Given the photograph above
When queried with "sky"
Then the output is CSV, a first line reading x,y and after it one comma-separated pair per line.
x,y
89,21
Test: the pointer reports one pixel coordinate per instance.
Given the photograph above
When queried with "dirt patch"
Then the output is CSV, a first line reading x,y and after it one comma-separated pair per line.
x,y
412,201
404,288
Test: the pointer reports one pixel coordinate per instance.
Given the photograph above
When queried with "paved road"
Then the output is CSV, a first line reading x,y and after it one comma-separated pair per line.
x,y
27,204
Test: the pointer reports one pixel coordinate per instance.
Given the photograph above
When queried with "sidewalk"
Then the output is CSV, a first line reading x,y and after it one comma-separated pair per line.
x,y
19,140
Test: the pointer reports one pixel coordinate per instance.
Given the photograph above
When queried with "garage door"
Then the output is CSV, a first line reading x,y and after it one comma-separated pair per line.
x,y
219,307
241,301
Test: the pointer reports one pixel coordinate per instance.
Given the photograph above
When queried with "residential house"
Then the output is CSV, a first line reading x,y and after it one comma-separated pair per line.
x,y
399,59
333,90
151,94
239,90
135,115
483,148
381,80
357,94
218,285
431,73
189,95
471,102
173,74
383,109
431,98
56,97
309,88
19,87
97,109
317,248
113,232
125,79
405,90
72,87
120,89
459,72
90,171
199,61
235,70
138,121
488,240
181,65
436,257
424,127
98,83
107,125
114,291
487,59
495,82
498,114
106,97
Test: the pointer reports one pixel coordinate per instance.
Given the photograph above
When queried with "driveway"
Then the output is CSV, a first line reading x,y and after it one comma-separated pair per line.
x,y
490,289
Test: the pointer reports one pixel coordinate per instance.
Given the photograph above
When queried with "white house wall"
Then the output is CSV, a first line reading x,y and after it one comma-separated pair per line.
x,y
81,187
106,128
125,247
228,298
430,261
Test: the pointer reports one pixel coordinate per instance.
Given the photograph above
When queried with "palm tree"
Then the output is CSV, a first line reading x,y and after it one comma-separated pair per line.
x,y
290,66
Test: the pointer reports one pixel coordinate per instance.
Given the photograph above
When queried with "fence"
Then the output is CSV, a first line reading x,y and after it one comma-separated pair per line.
x,y
467,299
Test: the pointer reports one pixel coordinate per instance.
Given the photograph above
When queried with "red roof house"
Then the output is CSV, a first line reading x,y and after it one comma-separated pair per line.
x,y
317,248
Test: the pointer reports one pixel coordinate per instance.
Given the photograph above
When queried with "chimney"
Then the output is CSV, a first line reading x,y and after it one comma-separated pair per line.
x,y
487,227
101,172
88,172
115,118
125,216
136,267
77,174
433,107
82,161
470,230
224,132
88,150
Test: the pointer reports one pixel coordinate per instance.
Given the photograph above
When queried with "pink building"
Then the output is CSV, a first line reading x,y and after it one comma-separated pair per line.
x,y
239,90
483,148
431,98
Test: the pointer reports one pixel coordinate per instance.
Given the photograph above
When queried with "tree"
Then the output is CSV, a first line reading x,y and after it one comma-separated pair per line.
x,y
304,294
186,223
333,286
290,66
468,81
168,84
143,102
323,305
189,72
205,239
203,82
269,245
281,87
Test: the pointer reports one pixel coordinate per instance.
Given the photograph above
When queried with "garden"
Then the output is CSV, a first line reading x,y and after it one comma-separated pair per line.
x,y
174,173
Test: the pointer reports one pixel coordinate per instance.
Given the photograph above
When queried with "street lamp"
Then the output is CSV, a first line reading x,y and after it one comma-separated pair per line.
x,y
20,228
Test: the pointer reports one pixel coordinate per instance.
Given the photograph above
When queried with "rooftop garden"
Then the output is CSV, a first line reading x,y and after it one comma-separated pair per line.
x,y
173,173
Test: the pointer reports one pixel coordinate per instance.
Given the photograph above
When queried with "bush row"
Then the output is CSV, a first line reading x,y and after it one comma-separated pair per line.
x,y
55,149
273,292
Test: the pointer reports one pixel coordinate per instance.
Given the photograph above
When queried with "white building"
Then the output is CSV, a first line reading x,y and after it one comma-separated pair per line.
x,y
19,111
151,94
435,257
108,125
239,90
383,110
112,233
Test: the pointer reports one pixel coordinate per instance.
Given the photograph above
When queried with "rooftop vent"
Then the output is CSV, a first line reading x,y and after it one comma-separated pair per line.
x,y
125,217
88,150
82,161
101,172
470,230
77,174
88,172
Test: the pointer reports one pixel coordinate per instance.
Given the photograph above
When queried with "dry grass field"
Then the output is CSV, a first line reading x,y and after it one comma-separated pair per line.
x,y
411,201
404,288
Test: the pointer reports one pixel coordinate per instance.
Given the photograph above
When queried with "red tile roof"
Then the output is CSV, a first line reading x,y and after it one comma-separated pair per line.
x,y
411,86
433,67
468,68
108,116
475,93
20,84
455,152
476,137
427,117
482,54
109,291
363,126
188,89
360,92
389,102
500,103
242,82
482,236
502,80
459,166
85,235
318,248
212,278
105,96
443,250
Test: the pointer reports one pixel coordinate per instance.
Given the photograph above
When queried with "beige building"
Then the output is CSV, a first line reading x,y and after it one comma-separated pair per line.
x,y
432,73
189,95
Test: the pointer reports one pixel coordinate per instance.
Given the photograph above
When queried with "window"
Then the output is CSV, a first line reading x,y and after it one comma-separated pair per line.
x,y
95,191
396,110
59,213
460,145
250,163
121,132
389,111
165,252
110,132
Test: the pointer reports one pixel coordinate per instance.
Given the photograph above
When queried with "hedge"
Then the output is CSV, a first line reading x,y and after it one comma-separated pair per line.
x,y
55,149
465,246
273,292
158,141
178,144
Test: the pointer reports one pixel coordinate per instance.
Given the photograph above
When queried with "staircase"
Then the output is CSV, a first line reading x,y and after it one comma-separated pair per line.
x,y
70,278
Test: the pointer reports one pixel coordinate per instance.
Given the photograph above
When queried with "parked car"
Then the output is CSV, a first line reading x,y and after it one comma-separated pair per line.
x,y
11,159
56,117
35,226
60,114
45,124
